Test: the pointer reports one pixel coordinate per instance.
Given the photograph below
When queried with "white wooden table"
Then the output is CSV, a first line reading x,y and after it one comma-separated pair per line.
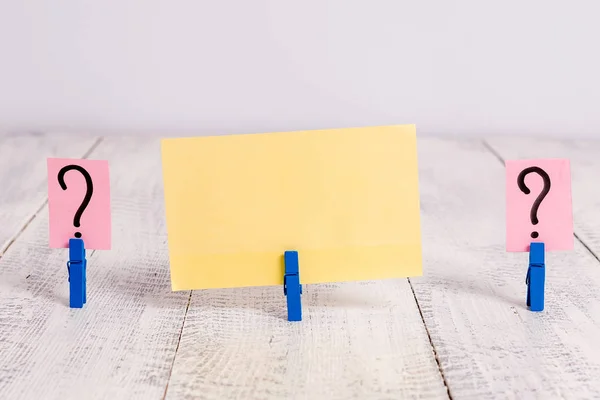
x,y
461,331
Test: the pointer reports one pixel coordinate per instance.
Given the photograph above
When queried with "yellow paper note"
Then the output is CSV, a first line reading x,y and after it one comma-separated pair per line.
x,y
346,199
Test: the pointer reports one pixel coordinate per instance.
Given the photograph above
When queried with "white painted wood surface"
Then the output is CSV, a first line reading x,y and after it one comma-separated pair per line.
x,y
122,344
363,340
473,293
357,340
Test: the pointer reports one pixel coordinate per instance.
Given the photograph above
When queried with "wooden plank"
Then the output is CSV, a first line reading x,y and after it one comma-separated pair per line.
x,y
362,340
585,174
122,343
472,294
356,340
23,174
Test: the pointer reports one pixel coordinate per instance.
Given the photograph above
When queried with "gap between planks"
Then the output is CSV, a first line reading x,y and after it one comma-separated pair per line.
x,y
187,307
435,353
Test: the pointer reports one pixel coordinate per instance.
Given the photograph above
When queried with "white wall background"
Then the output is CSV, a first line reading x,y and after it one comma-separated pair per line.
x,y
179,67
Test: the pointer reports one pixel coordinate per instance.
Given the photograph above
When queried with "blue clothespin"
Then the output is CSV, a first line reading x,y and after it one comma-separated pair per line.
x,y
77,273
536,277
291,286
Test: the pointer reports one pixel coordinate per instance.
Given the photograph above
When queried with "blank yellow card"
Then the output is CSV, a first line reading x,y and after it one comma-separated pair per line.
x,y
346,199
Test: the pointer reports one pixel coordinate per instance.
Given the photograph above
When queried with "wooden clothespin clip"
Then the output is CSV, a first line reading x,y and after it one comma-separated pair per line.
x,y
292,288
536,277
76,266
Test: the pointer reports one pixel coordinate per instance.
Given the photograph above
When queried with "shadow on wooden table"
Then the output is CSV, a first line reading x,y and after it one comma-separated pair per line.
x,y
469,288
371,296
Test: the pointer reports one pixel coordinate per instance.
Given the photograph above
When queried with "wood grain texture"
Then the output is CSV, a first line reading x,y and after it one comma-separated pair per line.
x,y
472,294
361,340
356,341
121,345
23,175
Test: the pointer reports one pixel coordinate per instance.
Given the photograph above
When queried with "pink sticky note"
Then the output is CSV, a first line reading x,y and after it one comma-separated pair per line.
x,y
79,177
554,223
